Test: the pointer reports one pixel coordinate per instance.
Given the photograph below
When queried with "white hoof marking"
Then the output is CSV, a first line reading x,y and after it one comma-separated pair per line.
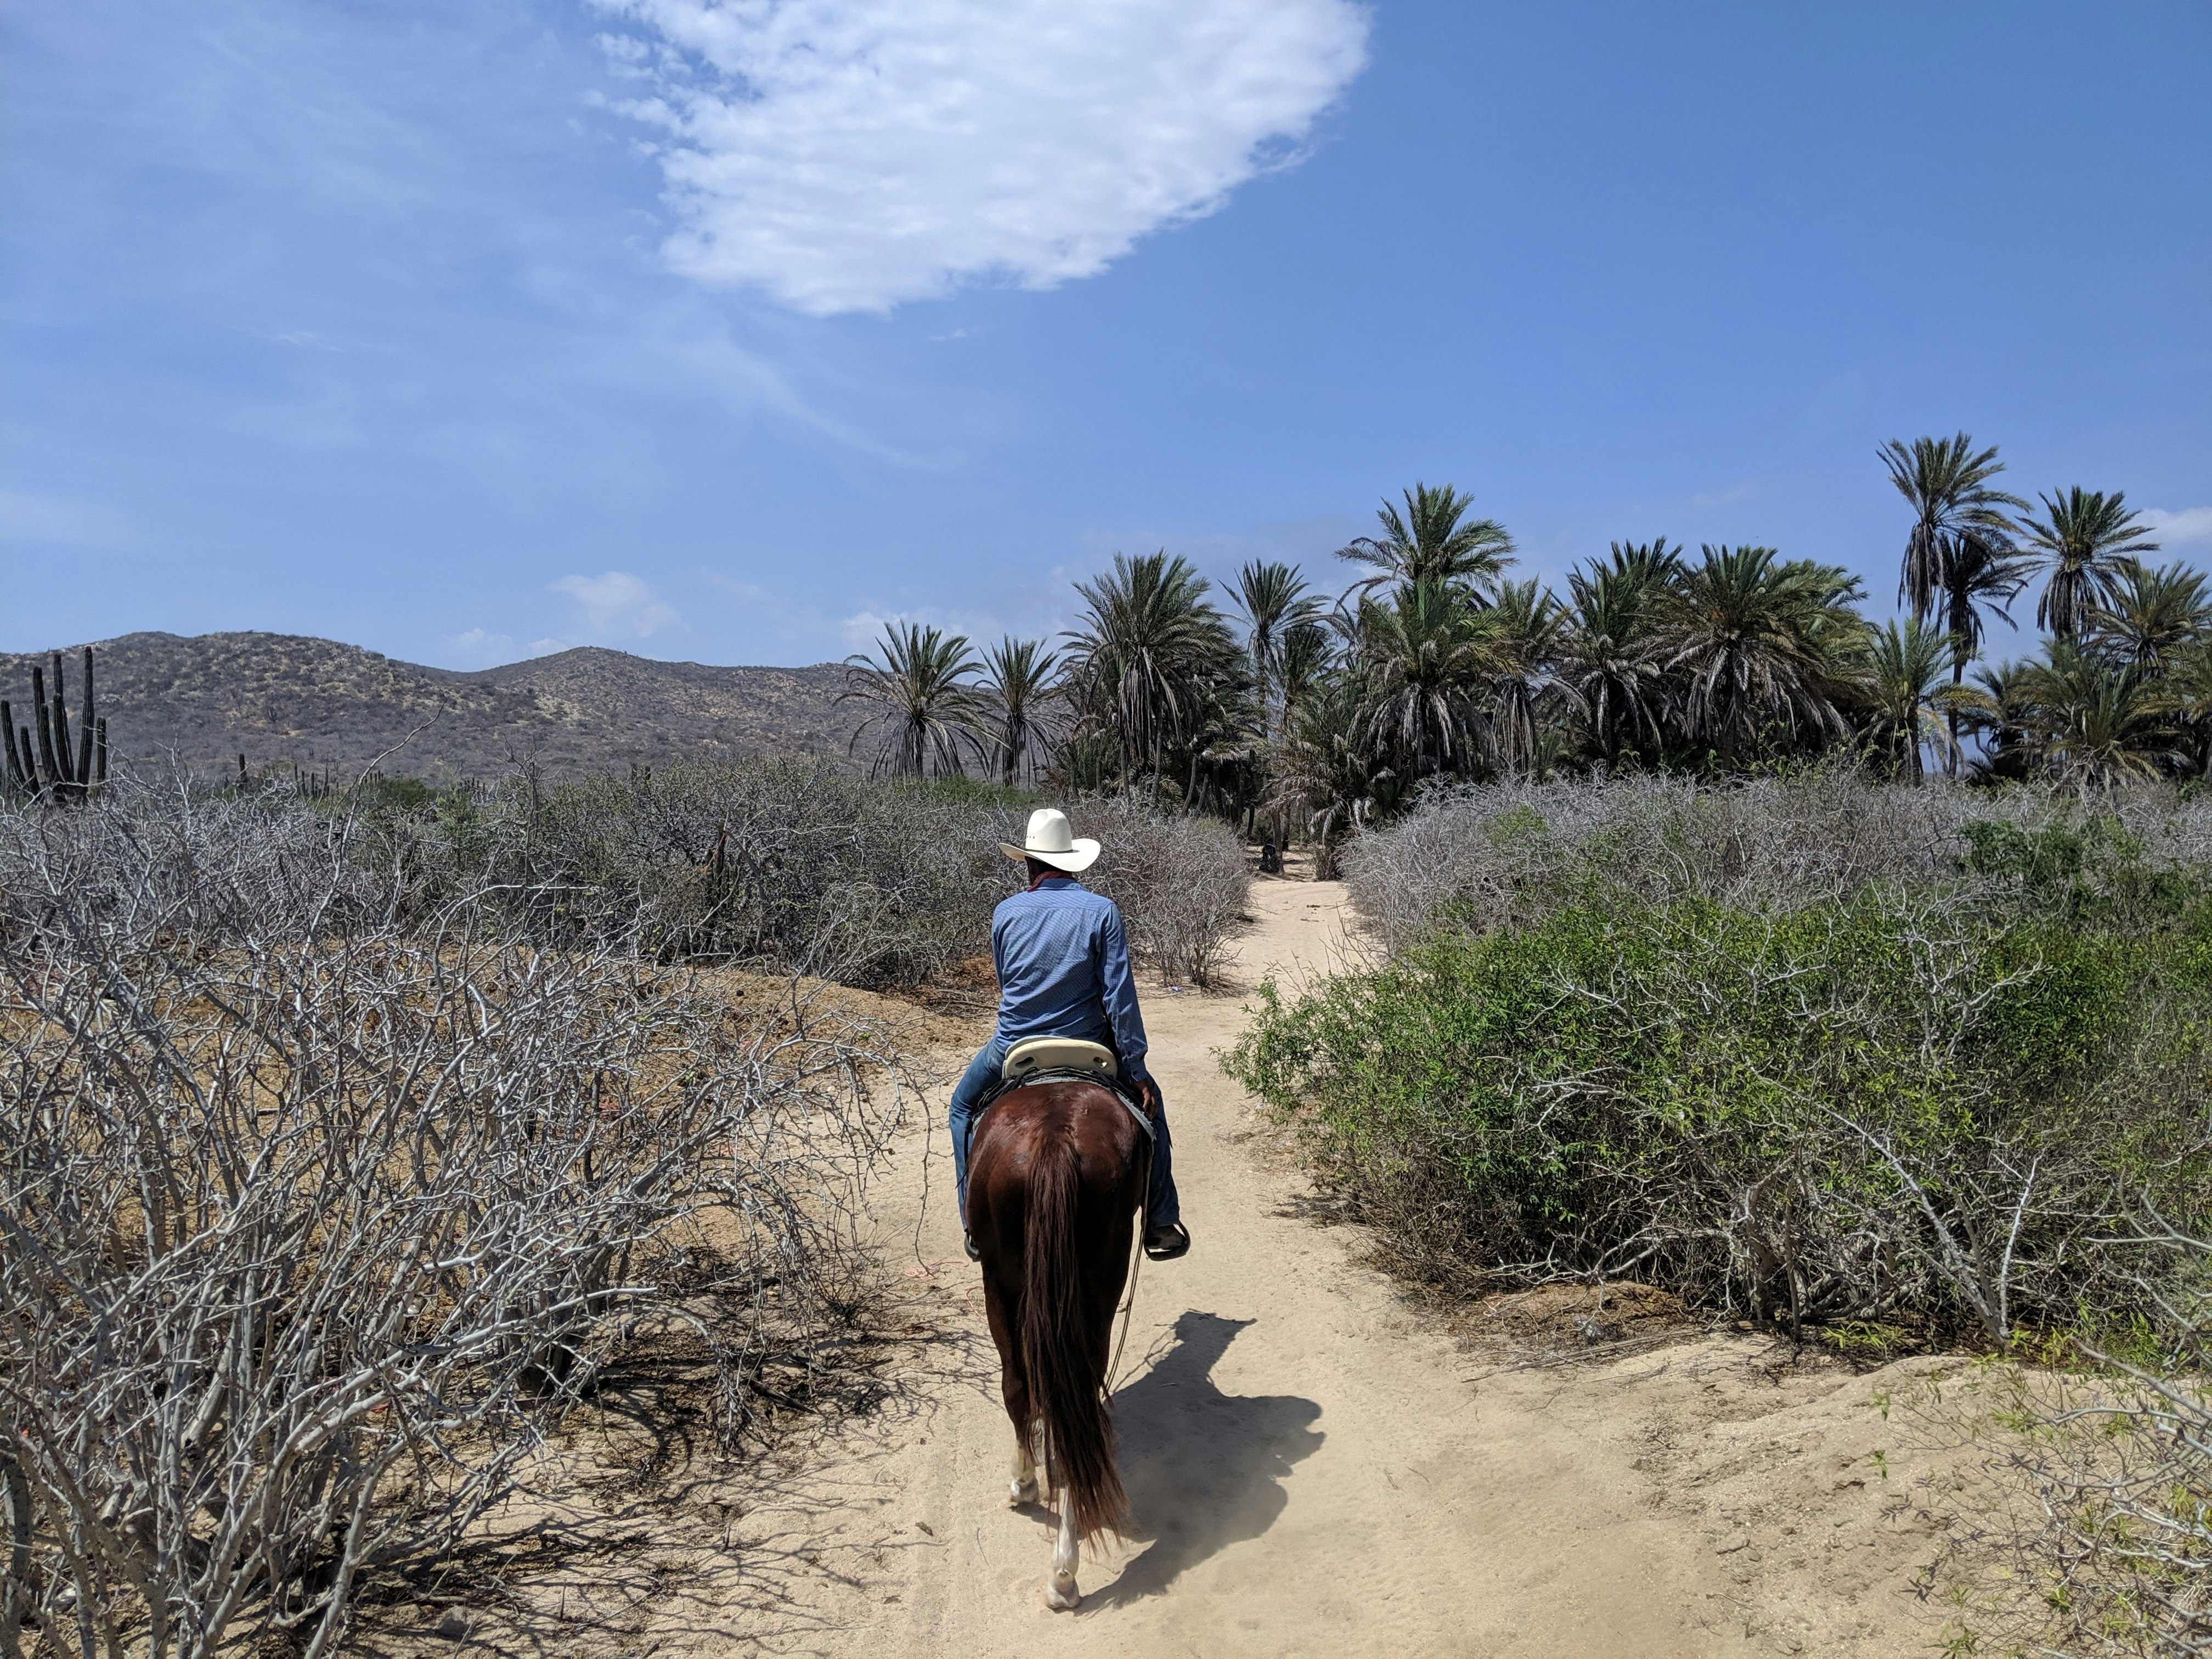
x,y
1062,1596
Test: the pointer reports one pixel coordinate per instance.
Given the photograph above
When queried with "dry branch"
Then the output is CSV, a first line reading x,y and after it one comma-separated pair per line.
x,y
314,1216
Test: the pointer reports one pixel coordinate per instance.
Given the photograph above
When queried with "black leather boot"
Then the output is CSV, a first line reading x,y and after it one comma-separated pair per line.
x,y
1166,1244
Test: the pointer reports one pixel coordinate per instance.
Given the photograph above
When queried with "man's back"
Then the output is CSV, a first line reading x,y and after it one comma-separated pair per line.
x,y
1063,965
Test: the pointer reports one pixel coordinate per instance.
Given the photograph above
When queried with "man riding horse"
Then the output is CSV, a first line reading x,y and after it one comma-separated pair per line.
x,y
1063,965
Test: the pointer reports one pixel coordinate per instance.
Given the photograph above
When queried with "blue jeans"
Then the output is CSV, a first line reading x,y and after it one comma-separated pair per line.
x,y
1162,1208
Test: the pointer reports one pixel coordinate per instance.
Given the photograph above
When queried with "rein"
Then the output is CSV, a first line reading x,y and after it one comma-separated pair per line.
x,y
1136,1266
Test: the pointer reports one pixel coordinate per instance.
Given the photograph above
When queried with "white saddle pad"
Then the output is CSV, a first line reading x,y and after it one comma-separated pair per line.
x,y
1050,1054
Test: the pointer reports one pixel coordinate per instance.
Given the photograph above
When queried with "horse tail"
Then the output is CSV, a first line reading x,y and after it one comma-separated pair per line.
x,y
1060,1353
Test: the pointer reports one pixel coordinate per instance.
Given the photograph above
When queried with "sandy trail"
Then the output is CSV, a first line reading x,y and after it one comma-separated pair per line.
x,y
1314,1469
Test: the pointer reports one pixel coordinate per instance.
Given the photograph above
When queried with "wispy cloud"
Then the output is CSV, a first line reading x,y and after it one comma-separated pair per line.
x,y
863,630
847,155
1024,610
475,647
481,648
2190,526
617,607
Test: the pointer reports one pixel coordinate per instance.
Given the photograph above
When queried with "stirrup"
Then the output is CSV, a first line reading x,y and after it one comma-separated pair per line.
x,y
968,1242
1174,1241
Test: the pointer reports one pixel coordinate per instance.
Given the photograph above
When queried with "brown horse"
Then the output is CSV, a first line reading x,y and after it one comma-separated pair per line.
x,y
1055,1174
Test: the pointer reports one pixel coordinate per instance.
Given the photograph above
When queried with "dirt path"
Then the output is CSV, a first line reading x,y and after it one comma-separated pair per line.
x,y
1314,1470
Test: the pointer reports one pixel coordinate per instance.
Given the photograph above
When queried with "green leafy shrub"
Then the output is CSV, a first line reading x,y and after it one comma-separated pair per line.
x,y
1901,1104
2097,873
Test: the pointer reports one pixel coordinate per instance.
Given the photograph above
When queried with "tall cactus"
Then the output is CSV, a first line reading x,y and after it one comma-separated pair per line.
x,y
20,776
55,768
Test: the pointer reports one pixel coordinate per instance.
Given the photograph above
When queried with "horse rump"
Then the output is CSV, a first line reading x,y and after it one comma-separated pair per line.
x,y
1063,1349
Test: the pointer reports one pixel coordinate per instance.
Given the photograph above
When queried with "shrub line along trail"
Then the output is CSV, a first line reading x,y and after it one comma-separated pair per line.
x,y
1316,1467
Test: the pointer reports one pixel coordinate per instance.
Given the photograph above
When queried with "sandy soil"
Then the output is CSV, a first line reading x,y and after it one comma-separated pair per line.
x,y
1317,1466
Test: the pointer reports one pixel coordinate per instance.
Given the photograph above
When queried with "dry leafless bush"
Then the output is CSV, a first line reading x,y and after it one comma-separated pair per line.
x,y
311,1224
1181,882
1502,853
2084,1526
793,864
813,869
821,872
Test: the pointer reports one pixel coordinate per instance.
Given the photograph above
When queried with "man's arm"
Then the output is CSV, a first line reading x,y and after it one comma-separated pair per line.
x,y
1118,990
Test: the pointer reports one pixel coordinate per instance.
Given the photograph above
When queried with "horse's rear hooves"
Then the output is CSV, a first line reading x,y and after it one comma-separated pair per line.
x,y
1063,1596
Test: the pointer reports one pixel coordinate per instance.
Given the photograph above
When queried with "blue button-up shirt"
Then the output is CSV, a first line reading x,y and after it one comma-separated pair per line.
x,y
1064,970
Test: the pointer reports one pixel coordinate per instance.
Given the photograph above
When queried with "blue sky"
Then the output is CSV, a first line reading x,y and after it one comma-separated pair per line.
x,y
723,330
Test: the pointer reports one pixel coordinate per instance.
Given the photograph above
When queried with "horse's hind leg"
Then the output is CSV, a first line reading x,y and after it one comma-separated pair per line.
x,y
1014,1389
1063,1596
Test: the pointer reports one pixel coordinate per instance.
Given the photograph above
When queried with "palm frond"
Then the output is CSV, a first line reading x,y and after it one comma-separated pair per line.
x,y
927,717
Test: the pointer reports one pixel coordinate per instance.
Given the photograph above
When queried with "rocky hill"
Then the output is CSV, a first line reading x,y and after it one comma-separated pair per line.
x,y
281,697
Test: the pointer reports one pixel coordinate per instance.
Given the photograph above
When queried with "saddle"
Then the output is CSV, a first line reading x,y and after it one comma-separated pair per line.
x,y
1043,1059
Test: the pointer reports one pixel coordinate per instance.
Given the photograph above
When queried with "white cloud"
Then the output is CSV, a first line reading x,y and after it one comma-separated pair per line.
x,y
480,648
475,647
617,607
863,630
849,155
2190,524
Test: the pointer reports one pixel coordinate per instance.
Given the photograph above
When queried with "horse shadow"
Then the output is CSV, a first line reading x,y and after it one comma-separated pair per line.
x,y
1203,1470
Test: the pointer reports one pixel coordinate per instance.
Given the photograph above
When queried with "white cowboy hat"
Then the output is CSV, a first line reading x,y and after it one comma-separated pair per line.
x,y
1048,840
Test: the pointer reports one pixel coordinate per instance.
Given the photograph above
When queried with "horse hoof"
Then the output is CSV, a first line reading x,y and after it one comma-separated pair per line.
x,y
1063,1597
1020,1493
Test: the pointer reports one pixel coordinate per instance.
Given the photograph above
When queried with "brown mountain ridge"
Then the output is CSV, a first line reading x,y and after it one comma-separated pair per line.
x,y
334,708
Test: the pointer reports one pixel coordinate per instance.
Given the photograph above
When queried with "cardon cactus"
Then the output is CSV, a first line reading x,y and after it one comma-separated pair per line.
x,y
54,767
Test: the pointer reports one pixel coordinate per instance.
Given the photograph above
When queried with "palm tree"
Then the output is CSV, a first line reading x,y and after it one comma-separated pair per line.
x,y
1433,541
1608,657
2080,537
1307,654
2188,688
1142,657
1999,707
1019,676
1523,631
1325,770
926,714
1952,508
1981,576
1958,556
2094,722
1904,666
1759,642
1220,746
2144,614
1273,598
1427,659
1646,564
